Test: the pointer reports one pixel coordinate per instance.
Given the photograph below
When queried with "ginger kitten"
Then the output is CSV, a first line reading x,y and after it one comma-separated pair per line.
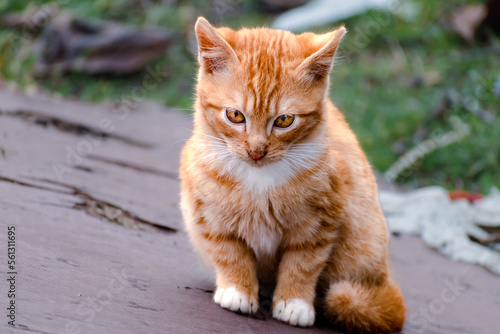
x,y
275,187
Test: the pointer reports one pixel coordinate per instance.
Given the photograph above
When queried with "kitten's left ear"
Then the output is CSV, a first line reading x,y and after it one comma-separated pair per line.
x,y
317,66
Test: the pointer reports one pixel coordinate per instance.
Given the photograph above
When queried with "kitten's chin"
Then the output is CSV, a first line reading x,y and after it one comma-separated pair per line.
x,y
258,163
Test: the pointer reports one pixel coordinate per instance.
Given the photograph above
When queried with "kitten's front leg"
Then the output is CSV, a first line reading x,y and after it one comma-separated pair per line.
x,y
298,273
235,267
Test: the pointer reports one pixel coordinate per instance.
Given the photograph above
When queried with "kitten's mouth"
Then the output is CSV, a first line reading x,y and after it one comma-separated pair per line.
x,y
264,161
252,162
256,163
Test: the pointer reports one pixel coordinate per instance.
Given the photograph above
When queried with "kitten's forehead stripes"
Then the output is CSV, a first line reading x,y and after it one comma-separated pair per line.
x,y
263,68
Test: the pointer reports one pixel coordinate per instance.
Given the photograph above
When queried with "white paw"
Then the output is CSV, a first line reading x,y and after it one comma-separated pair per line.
x,y
235,300
296,312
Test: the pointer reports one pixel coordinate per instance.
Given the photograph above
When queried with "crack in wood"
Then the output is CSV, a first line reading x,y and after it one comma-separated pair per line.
x,y
137,306
98,208
84,168
113,213
67,126
25,184
199,289
27,329
133,166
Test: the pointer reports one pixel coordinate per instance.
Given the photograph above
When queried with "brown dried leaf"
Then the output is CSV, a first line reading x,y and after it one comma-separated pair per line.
x,y
467,19
69,44
33,18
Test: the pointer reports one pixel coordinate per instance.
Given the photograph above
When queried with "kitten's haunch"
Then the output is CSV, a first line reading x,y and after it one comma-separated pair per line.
x,y
276,191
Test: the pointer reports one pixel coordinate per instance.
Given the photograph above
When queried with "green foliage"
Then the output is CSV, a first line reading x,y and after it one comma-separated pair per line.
x,y
396,68
396,79
17,55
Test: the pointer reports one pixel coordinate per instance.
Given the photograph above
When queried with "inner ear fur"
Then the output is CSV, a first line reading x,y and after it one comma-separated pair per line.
x,y
214,53
318,66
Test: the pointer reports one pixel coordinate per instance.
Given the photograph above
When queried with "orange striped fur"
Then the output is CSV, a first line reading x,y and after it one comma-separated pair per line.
x,y
293,208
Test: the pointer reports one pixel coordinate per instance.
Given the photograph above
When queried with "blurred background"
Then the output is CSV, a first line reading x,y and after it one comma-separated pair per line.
x,y
418,80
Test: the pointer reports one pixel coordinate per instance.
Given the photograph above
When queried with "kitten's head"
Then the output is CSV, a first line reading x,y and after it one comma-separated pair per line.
x,y
262,92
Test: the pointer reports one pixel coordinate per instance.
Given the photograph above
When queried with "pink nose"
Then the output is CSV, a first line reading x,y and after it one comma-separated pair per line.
x,y
256,155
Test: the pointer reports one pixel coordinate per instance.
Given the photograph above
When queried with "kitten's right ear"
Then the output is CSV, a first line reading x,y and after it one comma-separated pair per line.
x,y
214,53
317,66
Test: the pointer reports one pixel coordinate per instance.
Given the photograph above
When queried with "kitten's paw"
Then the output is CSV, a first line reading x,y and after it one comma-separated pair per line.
x,y
296,312
236,301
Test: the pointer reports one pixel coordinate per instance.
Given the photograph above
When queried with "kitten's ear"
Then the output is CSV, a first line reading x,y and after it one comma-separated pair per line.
x,y
317,66
214,53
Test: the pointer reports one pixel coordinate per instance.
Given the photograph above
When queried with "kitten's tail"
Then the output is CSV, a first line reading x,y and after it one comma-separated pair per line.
x,y
361,308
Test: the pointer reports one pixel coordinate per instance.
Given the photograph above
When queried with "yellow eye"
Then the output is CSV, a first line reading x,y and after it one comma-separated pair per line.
x,y
234,115
284,121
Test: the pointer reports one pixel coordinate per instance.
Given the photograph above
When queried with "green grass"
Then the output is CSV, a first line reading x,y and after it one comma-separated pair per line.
x,y
393,73
179,64
391,87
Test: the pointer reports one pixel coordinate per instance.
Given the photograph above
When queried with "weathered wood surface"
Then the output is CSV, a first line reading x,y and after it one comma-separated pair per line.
x,y
80,271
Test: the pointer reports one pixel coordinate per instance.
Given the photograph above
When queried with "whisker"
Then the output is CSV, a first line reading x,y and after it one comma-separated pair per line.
x,y
301,162
210,136
204,134
315,145
201,158
288,167
305,151
211,142
175,142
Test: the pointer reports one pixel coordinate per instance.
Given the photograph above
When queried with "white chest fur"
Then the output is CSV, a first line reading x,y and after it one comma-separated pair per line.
x,y
259,181
264,242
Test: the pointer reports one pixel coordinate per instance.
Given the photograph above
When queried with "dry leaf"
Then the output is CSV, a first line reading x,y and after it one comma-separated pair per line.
x,y
467,19
32,19
70,44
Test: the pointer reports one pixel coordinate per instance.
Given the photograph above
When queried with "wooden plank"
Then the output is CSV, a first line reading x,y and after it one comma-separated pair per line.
x,y
80,271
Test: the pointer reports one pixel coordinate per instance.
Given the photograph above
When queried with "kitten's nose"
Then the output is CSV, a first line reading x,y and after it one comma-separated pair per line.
x,y
256,155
